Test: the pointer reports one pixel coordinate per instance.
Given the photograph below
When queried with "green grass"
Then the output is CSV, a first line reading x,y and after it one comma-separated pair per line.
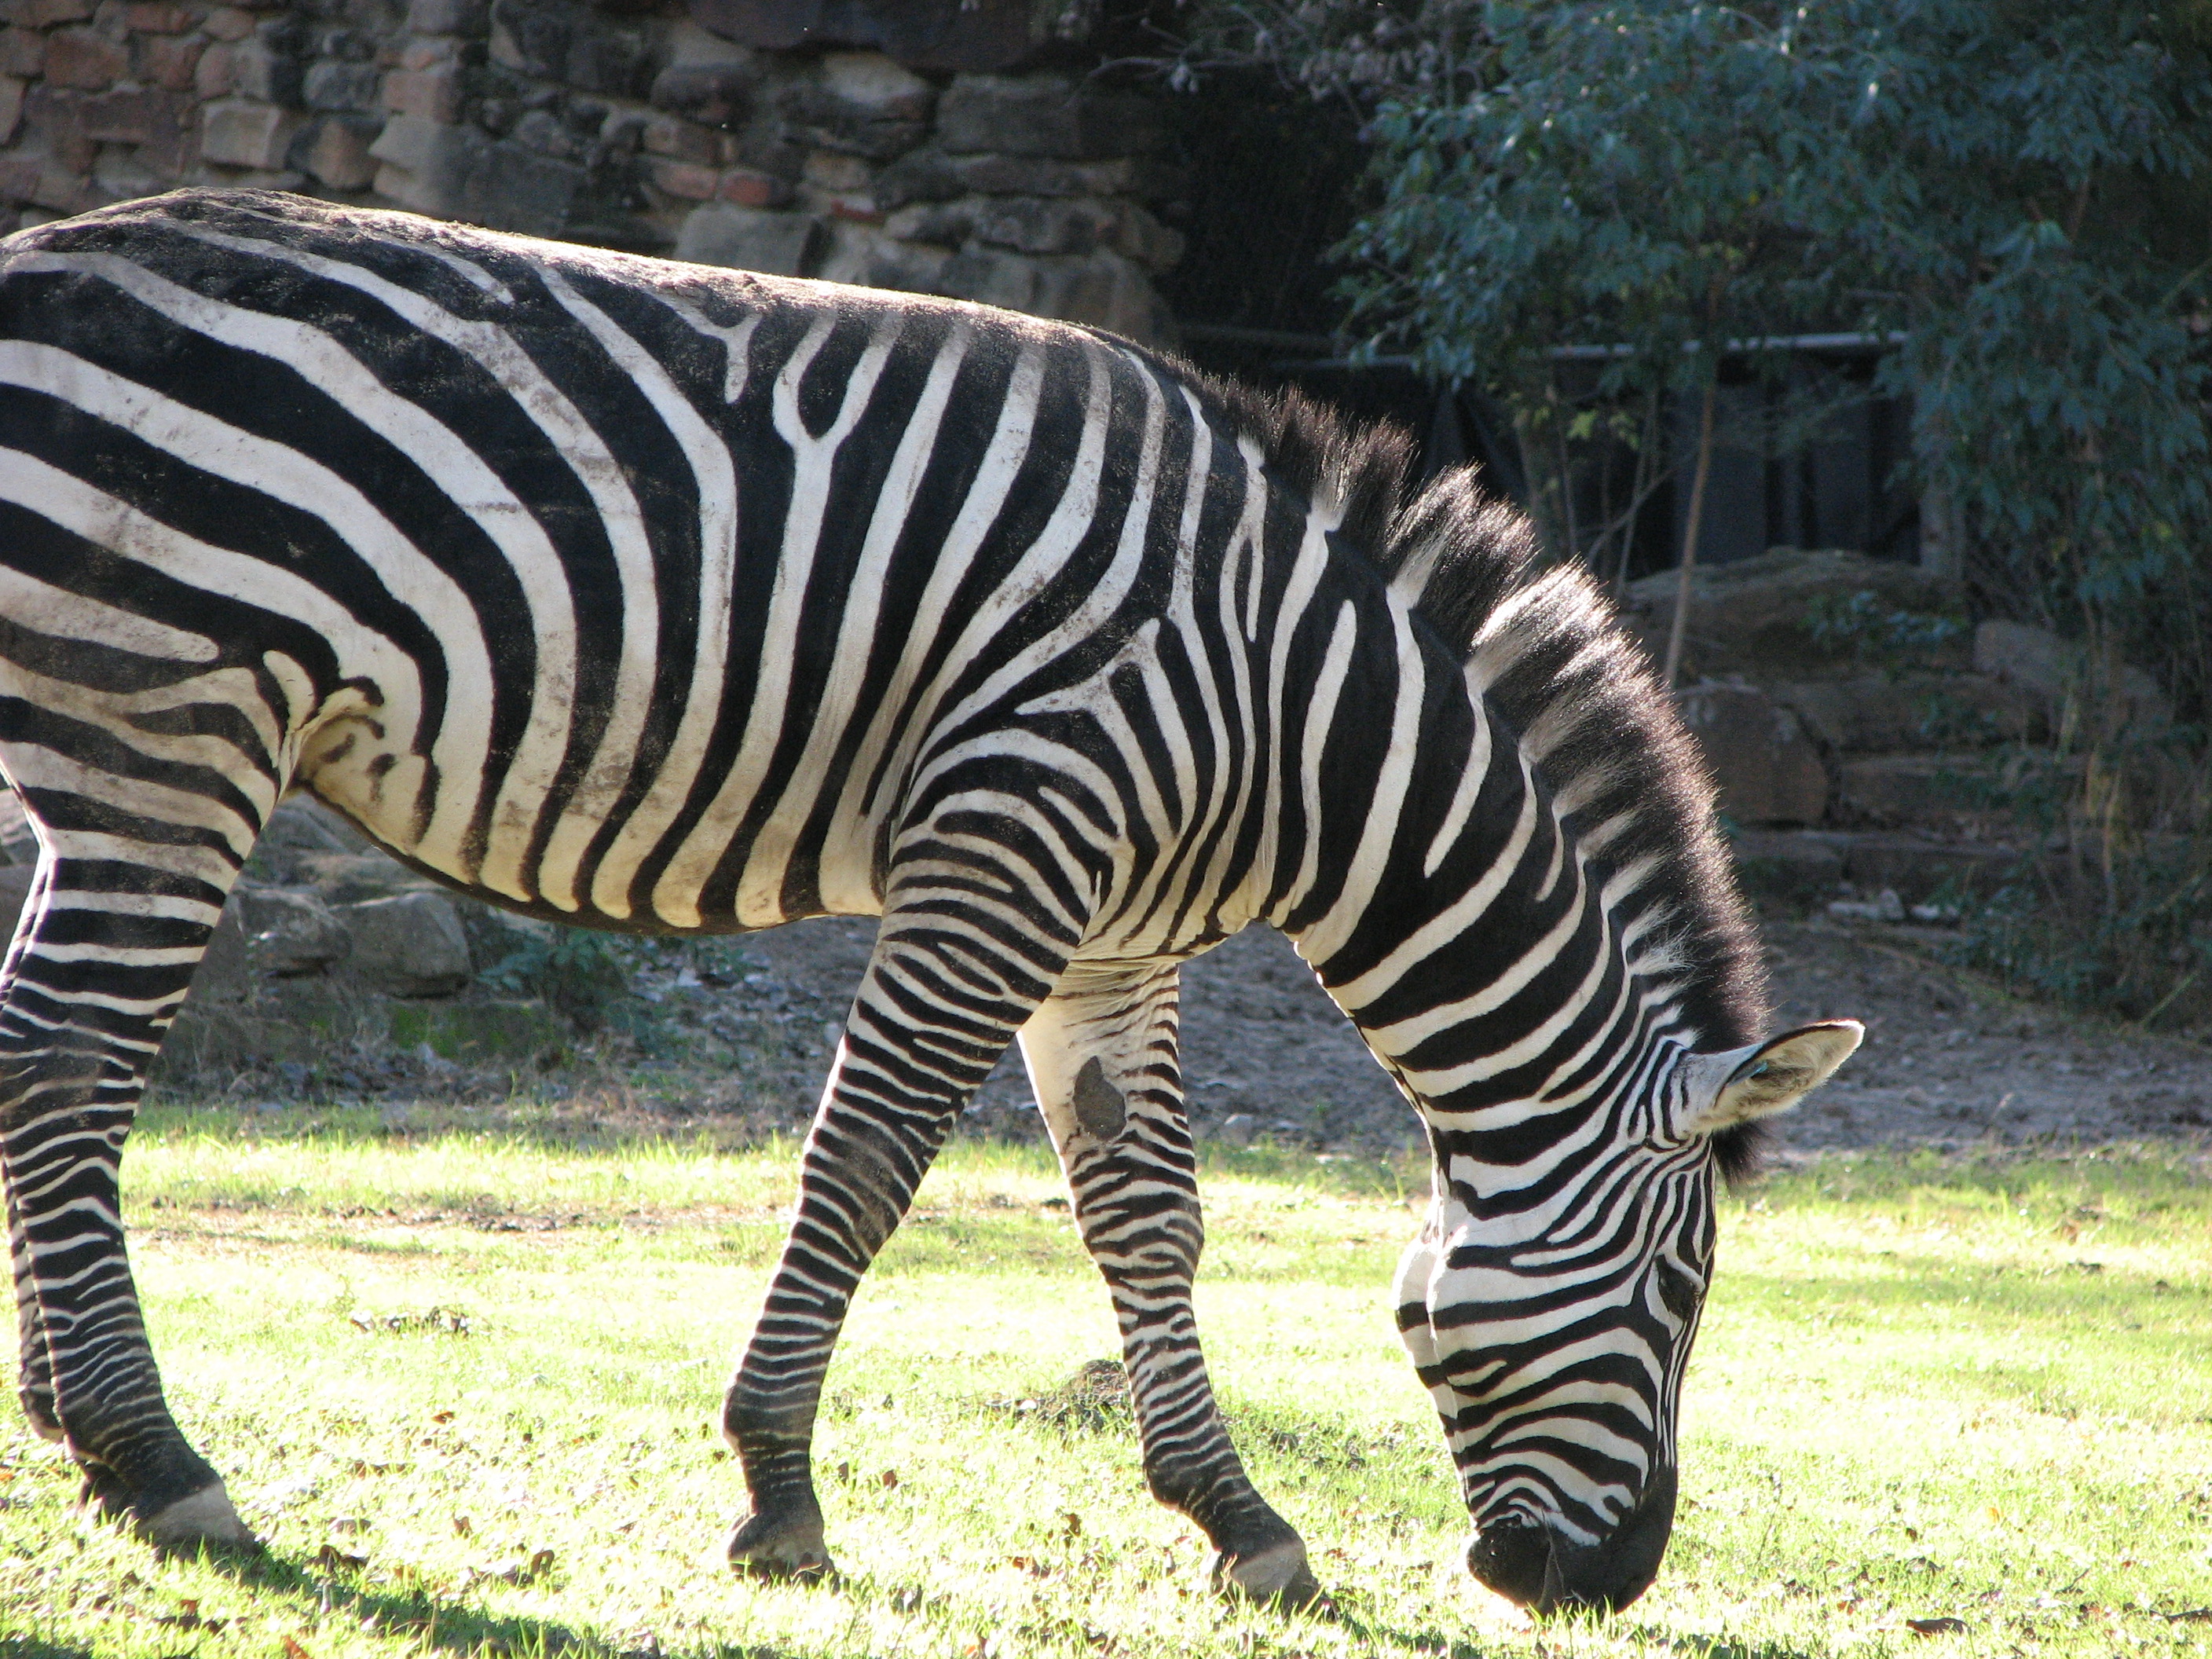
x,y
1925,1389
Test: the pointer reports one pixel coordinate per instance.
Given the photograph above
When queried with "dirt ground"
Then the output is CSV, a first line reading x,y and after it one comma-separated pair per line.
x,y
1948,1061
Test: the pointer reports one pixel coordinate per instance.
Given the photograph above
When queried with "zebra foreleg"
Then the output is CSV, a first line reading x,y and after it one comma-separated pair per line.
x,y
98,968
938,1006
1102,1055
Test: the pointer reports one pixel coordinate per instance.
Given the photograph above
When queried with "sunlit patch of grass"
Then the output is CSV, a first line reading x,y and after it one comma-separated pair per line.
x,y
464,1382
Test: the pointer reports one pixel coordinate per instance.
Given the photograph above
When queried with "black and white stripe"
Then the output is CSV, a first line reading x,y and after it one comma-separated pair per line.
x,y
663,599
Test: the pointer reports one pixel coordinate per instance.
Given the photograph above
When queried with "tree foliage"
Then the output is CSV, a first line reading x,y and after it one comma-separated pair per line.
x,y
1990,180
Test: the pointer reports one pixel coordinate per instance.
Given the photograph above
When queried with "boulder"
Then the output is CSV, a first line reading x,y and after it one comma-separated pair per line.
x,y
343,878
1877,713
2038,663
301,824
1754,617
1769,772
225,972
1904,788
1917,868
289,931
411,945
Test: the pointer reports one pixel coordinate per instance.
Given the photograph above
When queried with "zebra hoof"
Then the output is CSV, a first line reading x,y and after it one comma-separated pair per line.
x,y
1277,1573
781,1548
205,1520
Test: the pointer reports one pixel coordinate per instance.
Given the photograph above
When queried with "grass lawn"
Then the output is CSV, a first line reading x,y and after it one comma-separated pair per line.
x,y
462,1384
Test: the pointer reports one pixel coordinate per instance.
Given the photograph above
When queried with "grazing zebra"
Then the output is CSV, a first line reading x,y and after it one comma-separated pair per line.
x,y
672,600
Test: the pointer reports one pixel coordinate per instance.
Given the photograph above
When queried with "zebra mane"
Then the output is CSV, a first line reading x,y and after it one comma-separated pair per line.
x,y
1545,650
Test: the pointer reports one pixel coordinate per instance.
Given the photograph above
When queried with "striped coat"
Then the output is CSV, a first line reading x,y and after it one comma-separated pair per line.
x,y
668,600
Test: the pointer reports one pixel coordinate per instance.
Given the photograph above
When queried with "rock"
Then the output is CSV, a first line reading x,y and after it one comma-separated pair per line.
x,y
1238,1129
350,877
433,93
288,932
1045,115
1886,906
329,85
259,71
610,62
957,35
494,935
1918,868
411,945
1767,769
530,37
2039,663
821,117
712,94
747,238
225,973
238,134
427,164
445,16
85,60
920,175
335,150
1901,788
514,188
1754,617
1031,175
19,843
1793,866
1877,713
864,105
14,888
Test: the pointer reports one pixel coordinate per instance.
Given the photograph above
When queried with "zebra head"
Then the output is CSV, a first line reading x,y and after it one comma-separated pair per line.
x,y
1550,1304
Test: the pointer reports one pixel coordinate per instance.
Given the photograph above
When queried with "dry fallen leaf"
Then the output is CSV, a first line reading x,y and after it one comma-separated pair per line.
x,y
890,1479
1071,1525
442,1417
462,1526
331,1558
293,1651
1944,1626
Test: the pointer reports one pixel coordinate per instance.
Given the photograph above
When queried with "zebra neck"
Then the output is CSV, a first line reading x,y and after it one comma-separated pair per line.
x,y
1512,980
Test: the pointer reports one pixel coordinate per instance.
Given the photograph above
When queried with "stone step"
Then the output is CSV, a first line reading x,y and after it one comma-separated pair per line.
x,y
1808,866
1905,789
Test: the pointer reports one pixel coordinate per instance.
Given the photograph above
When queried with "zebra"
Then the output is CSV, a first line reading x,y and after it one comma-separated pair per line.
x,y
672,600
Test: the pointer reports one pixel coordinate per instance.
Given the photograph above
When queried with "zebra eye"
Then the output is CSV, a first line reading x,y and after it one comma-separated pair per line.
x,y
1677,1291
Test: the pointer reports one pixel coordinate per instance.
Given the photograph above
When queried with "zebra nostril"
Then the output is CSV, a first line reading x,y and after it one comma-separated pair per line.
x,y
1512,1560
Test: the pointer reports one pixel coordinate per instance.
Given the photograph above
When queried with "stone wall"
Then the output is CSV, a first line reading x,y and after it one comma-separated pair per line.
x,y
953,147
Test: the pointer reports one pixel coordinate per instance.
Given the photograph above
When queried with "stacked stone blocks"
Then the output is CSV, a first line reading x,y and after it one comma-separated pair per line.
x,y
630,127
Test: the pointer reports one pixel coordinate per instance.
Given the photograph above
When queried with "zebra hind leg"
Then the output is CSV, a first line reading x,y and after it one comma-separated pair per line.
x,y
99,966
1102,1055
939,1002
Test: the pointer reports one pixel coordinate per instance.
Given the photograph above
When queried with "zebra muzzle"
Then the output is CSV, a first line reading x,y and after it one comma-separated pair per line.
x,y
1546,1572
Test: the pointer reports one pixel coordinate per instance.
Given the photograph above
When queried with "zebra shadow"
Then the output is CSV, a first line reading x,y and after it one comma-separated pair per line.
x,y
437,1624
32,1647
1376,1630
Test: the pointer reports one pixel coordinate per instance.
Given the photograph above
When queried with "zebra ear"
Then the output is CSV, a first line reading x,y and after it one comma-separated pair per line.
x,y
1742,1084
